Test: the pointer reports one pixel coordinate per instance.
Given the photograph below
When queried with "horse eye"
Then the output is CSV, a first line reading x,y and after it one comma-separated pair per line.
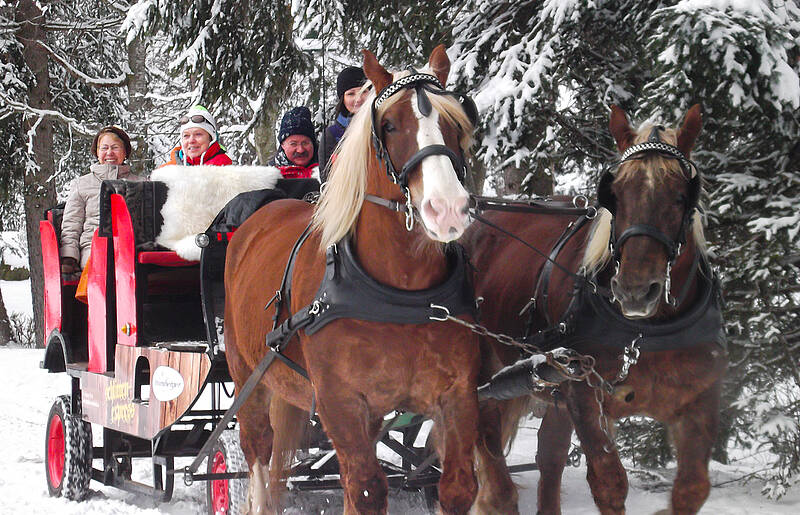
x,y
388,127
681,201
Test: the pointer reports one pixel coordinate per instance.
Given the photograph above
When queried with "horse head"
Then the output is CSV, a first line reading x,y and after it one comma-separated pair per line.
x,y
421,132
652,200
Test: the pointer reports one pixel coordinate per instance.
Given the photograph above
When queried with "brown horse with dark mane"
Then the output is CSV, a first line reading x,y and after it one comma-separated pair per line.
x,y
632,288
368,358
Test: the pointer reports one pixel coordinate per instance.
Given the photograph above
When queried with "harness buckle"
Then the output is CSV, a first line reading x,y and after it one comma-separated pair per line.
x,y
435,318
580,201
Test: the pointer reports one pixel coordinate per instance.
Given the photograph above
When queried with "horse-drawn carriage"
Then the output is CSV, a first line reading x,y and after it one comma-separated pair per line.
x,y
367,316
149,367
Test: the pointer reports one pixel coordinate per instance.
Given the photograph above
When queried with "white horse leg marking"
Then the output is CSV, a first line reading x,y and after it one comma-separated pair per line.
x,y
444,204
257,493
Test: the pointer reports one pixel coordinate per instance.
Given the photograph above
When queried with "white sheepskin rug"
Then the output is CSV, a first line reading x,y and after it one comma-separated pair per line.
x,y
197,193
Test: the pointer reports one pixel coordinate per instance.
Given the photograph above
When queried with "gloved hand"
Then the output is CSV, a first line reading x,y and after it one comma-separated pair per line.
x,y
69,265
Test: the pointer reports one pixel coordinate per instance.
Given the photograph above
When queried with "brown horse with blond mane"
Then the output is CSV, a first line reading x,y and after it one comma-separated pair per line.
x,y
633,289
360,369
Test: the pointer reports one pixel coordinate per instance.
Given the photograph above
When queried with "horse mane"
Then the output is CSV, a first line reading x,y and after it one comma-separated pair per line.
x,y
597,254
343,194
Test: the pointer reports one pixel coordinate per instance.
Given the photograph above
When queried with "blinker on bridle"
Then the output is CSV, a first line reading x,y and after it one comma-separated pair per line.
x,y
654,144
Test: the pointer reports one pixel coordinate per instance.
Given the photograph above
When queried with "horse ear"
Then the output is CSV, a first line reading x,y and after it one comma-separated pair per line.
x,y
440,64
620,128
690,129
376,73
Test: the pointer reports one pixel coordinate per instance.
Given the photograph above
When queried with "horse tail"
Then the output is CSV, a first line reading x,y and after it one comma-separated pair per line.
x,y
288,423
513,411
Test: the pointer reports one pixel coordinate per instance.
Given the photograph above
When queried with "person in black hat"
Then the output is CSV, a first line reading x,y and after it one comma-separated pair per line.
x,y
351,93
297,156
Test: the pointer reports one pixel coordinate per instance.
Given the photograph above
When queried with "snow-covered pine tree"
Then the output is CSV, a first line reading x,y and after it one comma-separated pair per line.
x,y
240,59
64,72
741,61
543,73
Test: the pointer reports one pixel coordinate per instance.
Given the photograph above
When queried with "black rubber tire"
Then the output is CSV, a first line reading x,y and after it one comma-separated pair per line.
x,y
230,452
71,480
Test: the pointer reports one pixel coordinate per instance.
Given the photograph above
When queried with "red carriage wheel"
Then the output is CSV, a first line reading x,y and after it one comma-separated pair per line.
x,y
68,452
220,502
55,451
227,496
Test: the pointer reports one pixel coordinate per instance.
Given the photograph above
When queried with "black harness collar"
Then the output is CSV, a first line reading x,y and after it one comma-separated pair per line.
x,y
347,291
591,321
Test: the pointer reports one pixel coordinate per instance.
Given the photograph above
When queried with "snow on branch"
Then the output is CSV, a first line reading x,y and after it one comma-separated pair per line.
x,y
120,80
45,113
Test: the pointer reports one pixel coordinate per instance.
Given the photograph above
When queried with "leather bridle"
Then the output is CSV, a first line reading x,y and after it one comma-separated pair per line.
x,y
605,197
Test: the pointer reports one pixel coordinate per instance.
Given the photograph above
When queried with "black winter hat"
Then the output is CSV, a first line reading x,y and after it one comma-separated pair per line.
x,y
350,77
296,121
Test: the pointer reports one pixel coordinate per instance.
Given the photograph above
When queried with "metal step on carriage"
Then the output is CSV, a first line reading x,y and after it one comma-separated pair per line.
x,y
146,358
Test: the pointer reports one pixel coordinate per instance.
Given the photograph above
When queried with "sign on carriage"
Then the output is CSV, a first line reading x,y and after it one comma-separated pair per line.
x,y
167,383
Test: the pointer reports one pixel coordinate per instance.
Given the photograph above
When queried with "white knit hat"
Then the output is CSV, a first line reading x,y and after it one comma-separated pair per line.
x,y
208,124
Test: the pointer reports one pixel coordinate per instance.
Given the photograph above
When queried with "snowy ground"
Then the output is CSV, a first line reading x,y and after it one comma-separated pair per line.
x,y
28,393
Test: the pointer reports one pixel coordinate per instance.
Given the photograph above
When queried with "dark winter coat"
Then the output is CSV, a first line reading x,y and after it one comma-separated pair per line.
x,y
329,139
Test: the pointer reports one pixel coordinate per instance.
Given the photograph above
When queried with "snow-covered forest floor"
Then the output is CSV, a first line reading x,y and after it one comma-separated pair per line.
x,y
28,393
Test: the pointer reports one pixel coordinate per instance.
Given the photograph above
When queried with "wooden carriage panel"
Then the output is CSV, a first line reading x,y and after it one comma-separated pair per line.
x,y
115,401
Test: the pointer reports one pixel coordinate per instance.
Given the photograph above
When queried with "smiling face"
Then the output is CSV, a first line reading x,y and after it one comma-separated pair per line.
x,y
353,99
194,142
110,150
299,149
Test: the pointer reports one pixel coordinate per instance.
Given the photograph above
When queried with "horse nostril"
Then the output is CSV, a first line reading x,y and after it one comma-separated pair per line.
x,y
653,292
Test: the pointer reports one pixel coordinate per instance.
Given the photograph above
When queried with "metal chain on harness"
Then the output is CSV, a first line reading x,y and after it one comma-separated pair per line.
x,y
587,373
561,362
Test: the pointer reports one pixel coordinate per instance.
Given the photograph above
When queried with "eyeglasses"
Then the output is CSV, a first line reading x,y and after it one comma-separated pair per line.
x,y
197,118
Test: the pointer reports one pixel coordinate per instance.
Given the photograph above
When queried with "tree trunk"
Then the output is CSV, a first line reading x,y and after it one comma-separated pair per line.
x,y
38,190
264,134
5,324
141,160
476,176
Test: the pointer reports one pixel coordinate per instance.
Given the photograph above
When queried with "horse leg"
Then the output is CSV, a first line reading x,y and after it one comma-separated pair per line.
x,y
605,473
457,419
694,433
288,424
255,438
555,435
353,433
497,492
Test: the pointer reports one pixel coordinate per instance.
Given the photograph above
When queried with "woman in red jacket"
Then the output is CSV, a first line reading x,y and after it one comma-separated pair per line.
x,y
199,141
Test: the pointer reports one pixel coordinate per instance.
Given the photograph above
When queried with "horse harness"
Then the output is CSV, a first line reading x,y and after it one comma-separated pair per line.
x,y
347,291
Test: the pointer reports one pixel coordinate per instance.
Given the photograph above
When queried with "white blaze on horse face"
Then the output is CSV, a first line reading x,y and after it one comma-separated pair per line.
x,y
443,207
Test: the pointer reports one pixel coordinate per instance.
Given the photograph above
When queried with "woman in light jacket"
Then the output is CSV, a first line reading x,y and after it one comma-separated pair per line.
x,y
111,146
